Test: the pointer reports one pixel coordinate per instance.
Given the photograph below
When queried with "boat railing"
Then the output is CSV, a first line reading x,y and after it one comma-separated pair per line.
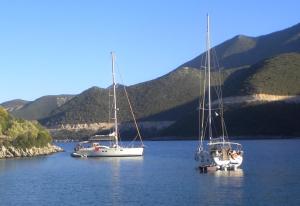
x,y
218,139
219,142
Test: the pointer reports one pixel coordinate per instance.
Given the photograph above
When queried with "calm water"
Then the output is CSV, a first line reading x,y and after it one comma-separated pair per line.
x,y
166,175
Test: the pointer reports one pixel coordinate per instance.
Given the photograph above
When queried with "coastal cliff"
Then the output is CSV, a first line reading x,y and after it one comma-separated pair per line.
x,y
11,151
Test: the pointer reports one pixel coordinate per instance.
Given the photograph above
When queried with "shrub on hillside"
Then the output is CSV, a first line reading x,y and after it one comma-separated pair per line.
x,y
22,133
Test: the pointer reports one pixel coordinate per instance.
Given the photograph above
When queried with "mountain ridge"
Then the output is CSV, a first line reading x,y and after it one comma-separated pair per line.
x,y
41,107
266,46
261,116
14,104
175,94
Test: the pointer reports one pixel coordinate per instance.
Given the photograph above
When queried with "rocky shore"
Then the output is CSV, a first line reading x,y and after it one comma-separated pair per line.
x,y
10,151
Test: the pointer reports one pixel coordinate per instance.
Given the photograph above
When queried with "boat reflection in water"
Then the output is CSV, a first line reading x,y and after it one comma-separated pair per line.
x,y
114,174
229,173
222,187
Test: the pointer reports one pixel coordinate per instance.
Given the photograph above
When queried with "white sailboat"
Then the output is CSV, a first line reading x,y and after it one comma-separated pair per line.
x,y
96,149
219,152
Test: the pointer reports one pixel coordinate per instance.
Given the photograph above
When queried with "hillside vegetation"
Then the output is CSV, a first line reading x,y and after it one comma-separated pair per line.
x,y
170,97
272,119
267,64
21,133
13,105
41,107
278,75
243,50
165,98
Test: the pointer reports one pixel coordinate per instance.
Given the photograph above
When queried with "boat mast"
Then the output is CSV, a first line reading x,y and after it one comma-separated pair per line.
x,y
208,68
115,97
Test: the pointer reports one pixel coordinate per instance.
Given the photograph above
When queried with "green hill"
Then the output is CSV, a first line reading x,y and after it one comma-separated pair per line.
x,y
279,75
41,107
271,119
13,105
266,64
160,99
83,108
242,50
148,99
165,97
172,96
21,133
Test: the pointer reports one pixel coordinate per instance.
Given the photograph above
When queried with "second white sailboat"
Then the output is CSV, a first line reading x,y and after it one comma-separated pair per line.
x,y
219,152
97,149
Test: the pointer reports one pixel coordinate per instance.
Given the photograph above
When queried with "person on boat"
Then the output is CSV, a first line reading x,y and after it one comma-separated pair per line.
x,y
78,147
233,154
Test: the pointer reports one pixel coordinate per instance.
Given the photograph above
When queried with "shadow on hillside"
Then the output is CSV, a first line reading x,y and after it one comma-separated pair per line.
x,y
174,113
270,119
236,84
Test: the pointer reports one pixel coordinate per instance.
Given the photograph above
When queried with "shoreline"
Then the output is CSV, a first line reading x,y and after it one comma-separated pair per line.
x,y
15,152
230,138
174,138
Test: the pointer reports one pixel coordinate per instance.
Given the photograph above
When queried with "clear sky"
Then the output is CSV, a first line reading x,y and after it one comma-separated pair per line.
x,y
63,46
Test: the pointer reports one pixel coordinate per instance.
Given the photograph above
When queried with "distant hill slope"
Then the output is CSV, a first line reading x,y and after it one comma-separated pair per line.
x,y
278,75
41,107
271,119
83,108
13,105
170,97
265,64
159,99
243,50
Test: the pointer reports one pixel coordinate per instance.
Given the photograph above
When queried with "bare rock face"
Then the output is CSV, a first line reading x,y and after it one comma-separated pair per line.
x,y
91,126
260,98
10,152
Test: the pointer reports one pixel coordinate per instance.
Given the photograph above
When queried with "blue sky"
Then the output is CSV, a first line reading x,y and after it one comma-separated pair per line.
x,y
63,46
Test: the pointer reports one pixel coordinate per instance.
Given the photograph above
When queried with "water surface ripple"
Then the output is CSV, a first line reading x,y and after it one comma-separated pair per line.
x,y
166,175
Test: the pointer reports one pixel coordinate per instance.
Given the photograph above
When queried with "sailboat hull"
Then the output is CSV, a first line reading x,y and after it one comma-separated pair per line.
x,y
231,163
109,152
226,155
236,162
